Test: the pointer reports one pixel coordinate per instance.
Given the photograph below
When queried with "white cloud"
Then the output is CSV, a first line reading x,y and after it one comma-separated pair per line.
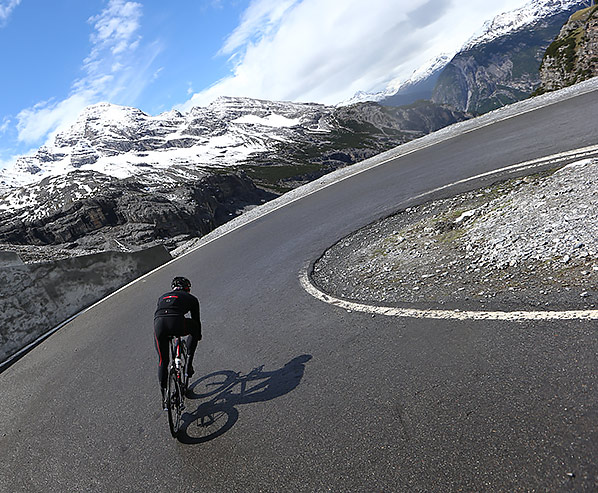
x,y
116,27
5,124
117,69
259,20
309,50
44,117
6,8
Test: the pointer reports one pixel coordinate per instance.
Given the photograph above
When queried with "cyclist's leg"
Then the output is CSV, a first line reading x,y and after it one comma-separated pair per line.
x,y
192,328
164,328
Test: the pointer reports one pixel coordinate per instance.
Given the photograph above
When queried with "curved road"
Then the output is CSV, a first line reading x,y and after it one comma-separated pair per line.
x,y
292,394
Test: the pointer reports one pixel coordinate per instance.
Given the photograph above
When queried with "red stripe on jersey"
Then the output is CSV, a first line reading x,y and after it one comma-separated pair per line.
x,y
158,347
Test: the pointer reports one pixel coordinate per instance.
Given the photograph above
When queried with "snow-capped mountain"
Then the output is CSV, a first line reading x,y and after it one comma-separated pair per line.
x,y
420,84
501,64
120,175
424,72
530,13
122,142
401,85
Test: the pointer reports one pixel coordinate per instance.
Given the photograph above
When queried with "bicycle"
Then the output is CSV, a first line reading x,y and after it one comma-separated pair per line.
x,y
177,383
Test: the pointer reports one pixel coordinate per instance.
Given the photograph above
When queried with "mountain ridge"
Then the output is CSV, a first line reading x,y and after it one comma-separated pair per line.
x,y
500,70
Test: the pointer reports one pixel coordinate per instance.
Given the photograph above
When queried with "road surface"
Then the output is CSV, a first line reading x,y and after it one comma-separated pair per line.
x,y
293,394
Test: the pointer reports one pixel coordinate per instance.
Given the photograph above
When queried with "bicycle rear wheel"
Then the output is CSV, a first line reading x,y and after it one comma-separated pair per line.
x,y
174,404
184,354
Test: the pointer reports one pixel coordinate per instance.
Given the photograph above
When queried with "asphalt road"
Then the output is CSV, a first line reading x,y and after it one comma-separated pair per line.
x,y
292,394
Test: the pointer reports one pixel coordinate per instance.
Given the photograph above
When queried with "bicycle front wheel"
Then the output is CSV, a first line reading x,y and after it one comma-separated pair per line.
x,y
175,404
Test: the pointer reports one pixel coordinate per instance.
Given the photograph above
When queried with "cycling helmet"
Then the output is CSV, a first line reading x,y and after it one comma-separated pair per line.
x,y
181,283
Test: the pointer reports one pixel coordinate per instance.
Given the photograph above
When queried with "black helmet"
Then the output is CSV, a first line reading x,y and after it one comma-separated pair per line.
x,y
181,283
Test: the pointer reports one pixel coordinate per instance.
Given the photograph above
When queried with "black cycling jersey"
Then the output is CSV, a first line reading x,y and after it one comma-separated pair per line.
x,y
176,304
169,320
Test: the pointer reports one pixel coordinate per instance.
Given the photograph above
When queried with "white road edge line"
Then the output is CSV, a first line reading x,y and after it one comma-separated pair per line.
x,y
467,315
576,154
444,314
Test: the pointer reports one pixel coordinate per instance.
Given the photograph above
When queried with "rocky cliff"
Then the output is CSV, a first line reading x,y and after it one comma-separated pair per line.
x,y
573,56
126,214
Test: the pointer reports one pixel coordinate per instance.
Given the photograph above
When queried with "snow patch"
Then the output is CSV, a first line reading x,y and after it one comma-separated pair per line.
x,y
514,20
277,121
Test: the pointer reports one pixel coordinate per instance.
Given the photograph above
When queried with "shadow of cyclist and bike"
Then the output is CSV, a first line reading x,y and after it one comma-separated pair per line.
x,y
220,393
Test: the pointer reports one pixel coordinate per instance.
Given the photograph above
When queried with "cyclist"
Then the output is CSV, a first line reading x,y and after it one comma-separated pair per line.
x,y
170,320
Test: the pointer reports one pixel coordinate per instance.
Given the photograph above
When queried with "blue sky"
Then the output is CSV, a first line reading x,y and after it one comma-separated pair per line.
x,y
59,56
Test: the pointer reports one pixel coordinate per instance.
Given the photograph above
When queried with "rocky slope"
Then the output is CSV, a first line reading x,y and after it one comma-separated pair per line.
x,y
532,239
123,214
573,56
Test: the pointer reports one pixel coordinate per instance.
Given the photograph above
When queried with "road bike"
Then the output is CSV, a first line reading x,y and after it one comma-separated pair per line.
x,y
177,383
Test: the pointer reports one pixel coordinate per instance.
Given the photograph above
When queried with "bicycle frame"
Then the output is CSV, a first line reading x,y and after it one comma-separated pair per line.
x,y
177,383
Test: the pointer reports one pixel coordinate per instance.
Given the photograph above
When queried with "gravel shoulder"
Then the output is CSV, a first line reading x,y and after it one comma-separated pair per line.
x,y
528,243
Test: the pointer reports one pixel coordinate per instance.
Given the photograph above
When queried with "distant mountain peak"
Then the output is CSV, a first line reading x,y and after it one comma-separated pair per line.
x,y
430,67
110,112
507,22
399,84
501,25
